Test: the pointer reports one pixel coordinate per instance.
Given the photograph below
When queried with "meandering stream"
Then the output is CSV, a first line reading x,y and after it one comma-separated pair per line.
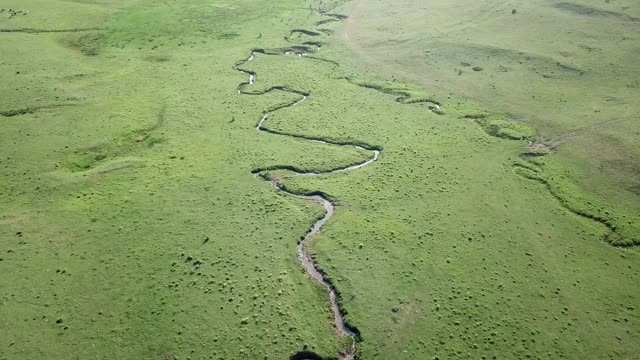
x,y
310,267
307,262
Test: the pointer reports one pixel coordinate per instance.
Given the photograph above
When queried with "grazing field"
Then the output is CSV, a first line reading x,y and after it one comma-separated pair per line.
x,y
136,221
569,70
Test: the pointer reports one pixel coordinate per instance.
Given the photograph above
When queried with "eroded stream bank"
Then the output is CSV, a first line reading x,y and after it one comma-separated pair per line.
x,y
343,328
307,262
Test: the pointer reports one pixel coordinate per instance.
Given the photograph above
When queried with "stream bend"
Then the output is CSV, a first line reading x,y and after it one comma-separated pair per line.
x,y
343,328
306,261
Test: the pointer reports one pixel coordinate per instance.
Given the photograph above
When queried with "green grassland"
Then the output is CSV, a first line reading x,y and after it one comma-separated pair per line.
x,y
568,70
131,226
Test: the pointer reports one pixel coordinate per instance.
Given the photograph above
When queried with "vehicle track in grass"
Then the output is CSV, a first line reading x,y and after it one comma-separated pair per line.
x,y
45,31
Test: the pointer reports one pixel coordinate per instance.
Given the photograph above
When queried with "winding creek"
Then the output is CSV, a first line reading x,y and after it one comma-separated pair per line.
x,y
307,262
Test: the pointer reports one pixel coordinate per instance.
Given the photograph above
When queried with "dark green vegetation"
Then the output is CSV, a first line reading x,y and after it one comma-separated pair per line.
x,y
132,227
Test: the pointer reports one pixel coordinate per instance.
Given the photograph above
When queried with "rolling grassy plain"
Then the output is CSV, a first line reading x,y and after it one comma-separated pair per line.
x,y
132,227
568,70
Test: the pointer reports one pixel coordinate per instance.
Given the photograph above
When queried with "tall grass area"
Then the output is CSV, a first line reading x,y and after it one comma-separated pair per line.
x,y
131,226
